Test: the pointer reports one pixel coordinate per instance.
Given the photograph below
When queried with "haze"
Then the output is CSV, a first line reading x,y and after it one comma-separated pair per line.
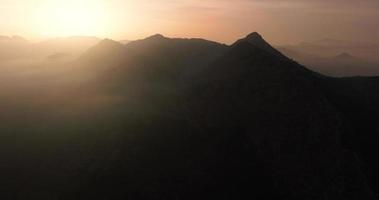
x,y
282,22
189,99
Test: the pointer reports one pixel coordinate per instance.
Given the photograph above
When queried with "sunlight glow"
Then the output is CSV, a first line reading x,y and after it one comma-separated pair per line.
x,y
65,18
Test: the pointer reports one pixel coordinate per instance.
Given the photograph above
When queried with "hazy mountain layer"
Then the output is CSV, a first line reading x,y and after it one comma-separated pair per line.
x,y
329,57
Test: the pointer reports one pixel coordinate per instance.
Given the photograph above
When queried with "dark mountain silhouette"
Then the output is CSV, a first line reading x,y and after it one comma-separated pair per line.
x,y
257,40
279,91
153,59
194,119
344,56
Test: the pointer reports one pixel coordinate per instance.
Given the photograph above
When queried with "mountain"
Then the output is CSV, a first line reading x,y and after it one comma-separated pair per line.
x,y
320,56
105,51
257,40
74,45
14,38
351,66
152,59
265,101
173,118
58,56
12,47
331,47
16,48
340,65
124,41
344,56
252,104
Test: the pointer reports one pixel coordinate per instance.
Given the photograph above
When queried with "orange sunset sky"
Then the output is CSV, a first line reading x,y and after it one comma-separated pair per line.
x,y
280,21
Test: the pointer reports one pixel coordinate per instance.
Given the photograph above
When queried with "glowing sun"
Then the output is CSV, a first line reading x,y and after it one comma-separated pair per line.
x,y
66,18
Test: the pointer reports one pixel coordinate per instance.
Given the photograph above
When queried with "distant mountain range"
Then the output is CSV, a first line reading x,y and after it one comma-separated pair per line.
x,y
321,56
329,57
18,48
332,47
172,118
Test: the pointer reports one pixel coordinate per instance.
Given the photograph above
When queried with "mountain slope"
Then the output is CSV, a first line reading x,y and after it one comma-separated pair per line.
x,y
279,109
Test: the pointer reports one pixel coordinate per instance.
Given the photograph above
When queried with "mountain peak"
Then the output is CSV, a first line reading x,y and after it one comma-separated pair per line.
x,y
254,36
107,40
108,43
257,40
104,49
19,38
156,36
344,55
14,38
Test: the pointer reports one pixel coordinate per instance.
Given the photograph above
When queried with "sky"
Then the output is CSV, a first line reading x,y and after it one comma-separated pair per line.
x,y
279,21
